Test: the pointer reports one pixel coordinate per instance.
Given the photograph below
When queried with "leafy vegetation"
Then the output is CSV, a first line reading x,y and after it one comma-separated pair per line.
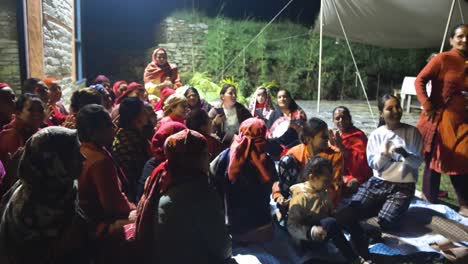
x,y
287,53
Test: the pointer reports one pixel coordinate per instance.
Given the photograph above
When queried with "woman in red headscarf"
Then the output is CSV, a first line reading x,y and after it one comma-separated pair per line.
x,y
188,212
119,87
157,151
244,175
134,89
160,73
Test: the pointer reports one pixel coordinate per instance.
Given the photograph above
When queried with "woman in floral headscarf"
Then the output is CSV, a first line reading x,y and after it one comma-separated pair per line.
x,y
180,210
160,73
260,105
40,219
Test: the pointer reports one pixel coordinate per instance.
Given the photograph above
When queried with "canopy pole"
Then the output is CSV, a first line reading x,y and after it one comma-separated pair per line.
x,y
354,61
447,26
320,56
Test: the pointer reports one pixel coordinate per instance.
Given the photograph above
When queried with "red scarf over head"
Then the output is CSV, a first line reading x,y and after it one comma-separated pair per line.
x,y
250,145
188,144
164,131
153,70
165,93
130,88
116,86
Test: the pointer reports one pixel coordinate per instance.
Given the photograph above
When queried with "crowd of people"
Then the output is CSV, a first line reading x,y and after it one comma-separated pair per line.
x,y
155,174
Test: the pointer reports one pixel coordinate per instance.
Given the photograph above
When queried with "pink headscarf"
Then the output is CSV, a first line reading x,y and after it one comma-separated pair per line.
x,y
3,85
101,79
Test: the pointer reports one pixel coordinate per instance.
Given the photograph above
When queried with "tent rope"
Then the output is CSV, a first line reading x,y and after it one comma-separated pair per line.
x,y
290,37
255,38
447,26
354,61
461,12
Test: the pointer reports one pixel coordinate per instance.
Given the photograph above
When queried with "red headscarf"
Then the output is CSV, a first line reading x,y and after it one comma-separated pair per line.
x,y
165,93
164,131
116,86
250,145
49,81
188,144
3,85
130,88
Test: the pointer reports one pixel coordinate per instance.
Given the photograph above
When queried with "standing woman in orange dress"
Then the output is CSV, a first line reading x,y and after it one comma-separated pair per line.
x,y
444,120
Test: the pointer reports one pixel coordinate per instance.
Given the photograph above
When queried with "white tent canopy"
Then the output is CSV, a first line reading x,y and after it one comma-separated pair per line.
x,y
388,23
392,23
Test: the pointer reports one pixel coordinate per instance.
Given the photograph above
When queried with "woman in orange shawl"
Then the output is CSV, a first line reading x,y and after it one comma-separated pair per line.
x,y
160,73
444,120
314,138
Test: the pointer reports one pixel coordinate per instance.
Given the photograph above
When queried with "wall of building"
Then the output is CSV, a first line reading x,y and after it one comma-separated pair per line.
x,y
9,54
183,41
58,39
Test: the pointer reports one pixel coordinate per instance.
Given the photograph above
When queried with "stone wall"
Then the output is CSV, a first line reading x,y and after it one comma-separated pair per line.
x,y
9,53
183,41
58,40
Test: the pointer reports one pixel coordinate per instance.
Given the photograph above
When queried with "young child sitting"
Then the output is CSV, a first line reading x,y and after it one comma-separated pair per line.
x,y
310,210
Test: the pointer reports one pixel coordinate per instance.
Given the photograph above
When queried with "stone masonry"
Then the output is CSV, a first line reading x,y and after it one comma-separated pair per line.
x,y
9,54
58,37
183,41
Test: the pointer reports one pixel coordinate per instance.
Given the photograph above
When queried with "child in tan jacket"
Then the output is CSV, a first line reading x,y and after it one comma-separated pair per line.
x,y
310,211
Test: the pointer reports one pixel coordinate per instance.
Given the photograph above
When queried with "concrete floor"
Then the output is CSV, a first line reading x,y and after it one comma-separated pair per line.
x,y
360,113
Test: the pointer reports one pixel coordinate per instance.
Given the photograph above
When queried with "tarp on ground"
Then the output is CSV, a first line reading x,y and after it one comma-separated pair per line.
x,y
392,23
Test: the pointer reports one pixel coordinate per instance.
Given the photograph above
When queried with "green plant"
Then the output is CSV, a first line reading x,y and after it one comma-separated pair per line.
x,y
288,53
207,89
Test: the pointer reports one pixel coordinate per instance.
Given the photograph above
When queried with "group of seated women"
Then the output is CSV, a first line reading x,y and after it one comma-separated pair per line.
x,y
182,181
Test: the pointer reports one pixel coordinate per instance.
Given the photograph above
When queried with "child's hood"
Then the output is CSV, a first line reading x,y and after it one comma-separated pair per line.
x,y
302,187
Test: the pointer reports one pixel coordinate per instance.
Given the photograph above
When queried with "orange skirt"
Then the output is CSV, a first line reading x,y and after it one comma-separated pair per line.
x,y
450,154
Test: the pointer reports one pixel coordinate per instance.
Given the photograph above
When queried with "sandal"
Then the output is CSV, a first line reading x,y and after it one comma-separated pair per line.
x,y
452,252
463,210
444,244
456,255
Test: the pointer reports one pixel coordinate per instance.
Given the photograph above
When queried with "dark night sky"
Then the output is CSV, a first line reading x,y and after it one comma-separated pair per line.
x,y
112,26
